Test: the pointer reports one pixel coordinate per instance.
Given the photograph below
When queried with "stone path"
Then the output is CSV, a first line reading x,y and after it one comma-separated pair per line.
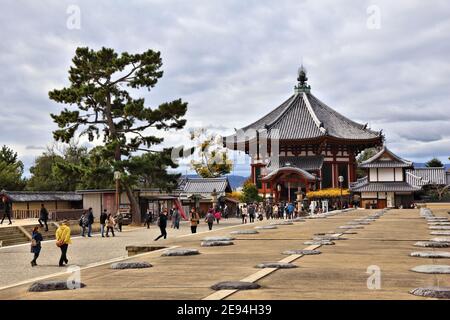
x,y
339,272
15,260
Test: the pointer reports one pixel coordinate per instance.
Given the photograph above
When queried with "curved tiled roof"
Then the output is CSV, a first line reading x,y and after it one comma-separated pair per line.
x,y
426,176
302,172
206,185
393,161
308,163
303,116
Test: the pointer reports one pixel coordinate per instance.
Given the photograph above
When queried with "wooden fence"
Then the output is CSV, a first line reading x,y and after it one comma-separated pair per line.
x,y
54,215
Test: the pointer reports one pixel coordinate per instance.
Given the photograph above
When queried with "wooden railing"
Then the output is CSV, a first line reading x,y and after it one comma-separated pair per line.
x,y
55,215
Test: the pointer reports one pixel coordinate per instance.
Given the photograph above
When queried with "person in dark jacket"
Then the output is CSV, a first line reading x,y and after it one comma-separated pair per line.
x,y
90,221
162,223
103,218
6,210
148,218
36,239
43,217
210,219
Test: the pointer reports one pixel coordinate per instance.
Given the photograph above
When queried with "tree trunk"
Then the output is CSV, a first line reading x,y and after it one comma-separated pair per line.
x,y
135,208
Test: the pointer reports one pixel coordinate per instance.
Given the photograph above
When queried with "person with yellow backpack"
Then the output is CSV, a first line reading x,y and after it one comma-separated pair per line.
x,y
62,241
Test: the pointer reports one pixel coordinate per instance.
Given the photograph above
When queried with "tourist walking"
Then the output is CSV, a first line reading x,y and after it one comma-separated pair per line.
x,y
244,214
162,223
290,209
176,217
210,219
43,217
36,238
110,223
218,216
103,218
119,221
148,218
195,220
269,211
251,213
6,210
83,223
226,212
62,241
90,221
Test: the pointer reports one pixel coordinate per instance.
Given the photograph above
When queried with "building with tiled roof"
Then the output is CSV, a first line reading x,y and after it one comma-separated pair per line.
x,y
302,145
391,181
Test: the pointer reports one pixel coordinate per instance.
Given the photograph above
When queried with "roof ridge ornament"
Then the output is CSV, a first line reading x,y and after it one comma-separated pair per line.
x,y
302,79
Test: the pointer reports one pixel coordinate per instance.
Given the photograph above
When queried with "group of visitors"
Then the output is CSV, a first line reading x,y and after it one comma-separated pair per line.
x,y
252,211
63,239
108,222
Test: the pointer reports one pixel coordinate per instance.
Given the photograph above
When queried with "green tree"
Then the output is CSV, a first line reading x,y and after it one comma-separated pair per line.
x,y
434,163
213,158
250,193
11,170
101,83
363,156
57,170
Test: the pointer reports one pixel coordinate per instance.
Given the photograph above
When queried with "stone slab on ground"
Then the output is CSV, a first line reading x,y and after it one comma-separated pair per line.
x,y
235,285
180,252
266,227
216,243
218,239
432,244
131,265
321,242
249,231
301,251
432,292
432,268
43,286
440,233
279,265
430,254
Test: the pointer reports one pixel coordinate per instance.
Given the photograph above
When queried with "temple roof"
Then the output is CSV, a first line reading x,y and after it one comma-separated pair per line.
x,y
363,185
303,116
426,176
385,158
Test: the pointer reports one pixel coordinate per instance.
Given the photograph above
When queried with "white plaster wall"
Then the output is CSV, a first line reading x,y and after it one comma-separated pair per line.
x,y
398,174
373,174
385,174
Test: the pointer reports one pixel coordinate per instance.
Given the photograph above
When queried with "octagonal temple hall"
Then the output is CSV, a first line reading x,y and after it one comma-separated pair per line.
x,y
315,144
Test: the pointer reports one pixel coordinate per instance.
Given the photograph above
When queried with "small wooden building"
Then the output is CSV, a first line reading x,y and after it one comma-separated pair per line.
x,y
386,182
27,204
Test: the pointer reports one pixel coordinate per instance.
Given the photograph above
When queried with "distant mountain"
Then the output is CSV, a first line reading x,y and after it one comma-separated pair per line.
x,y
423,165
235,181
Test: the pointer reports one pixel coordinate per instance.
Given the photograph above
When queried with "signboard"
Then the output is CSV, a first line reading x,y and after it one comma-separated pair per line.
x,y
124,208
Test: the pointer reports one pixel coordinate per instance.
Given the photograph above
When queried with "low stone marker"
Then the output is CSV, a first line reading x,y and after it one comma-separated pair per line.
x,y
321,242
301,251
42,286
180,252
283,223
440,233
216,243
432,244
439,228
279,265
351,227
218,239
350,232
439,223
244,232
130,265
328,237
267,227
355,223
432,292
441,239
432,268
235,285
430,254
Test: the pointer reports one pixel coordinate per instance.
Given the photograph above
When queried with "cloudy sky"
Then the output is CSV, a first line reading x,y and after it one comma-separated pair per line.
x,y
382,62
